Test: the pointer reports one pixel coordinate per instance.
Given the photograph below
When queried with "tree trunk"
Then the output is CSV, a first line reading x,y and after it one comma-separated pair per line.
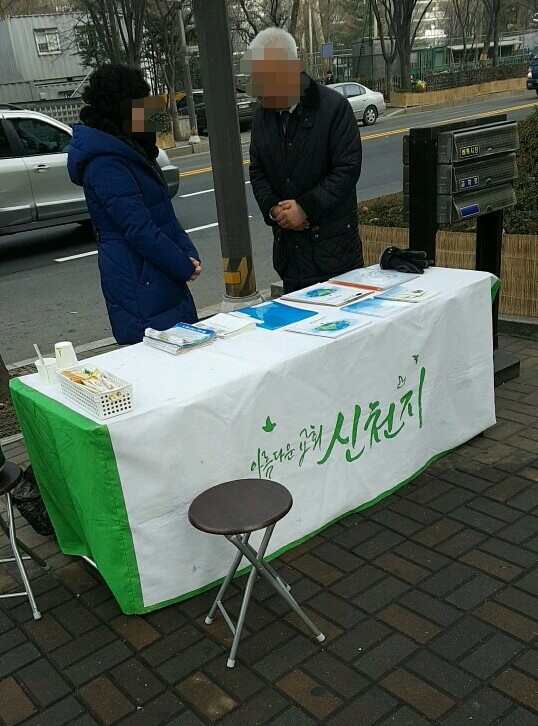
x,y
316,21
4,381
496,41
405,68
173,111
487,42
388,79
294,16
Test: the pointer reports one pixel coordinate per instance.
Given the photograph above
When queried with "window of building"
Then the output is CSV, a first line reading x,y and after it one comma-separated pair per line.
x,y
47,41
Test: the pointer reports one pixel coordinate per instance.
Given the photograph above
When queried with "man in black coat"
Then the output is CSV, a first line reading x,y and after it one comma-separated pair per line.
x,y
305,161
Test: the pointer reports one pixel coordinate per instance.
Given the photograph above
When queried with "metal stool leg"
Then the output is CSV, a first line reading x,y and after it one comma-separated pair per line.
x,y
248,592
273,572
18,560
224,587
29,552
276,584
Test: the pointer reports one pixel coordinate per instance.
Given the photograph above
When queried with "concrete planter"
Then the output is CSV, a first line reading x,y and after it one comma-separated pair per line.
x,y
166,140
519,273
456,94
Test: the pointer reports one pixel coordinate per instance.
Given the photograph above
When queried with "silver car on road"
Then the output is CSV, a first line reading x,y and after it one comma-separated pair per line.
x,y
35,188
367,105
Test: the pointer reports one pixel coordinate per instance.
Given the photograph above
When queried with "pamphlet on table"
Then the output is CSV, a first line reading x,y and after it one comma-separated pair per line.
x,y
407,295
324,293
225,325
178,339
376,308
273,315
328,327
372,278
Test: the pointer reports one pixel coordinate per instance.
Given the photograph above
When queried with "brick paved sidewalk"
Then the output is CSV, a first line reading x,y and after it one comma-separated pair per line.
x,y
427,600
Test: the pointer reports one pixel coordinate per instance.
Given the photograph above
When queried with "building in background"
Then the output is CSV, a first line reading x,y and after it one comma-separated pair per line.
x,y
39,58
433,25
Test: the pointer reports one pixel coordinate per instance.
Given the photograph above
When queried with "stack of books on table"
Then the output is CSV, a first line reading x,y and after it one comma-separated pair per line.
x,y
373,279
179,339
225,325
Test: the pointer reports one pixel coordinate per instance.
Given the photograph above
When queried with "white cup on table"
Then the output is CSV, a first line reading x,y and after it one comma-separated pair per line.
x,y
65,355
47,370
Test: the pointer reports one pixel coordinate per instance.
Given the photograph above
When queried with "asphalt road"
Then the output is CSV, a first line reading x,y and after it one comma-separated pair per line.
x,y
49,281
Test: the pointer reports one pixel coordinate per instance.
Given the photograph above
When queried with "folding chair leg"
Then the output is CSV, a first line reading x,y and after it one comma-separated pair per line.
x,y
229,577
18,558
31,554
246,596
277,585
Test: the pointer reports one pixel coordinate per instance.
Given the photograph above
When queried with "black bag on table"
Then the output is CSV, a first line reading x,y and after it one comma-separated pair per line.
x,y
28,500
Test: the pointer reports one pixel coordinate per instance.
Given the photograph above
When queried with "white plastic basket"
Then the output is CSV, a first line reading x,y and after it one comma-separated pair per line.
x,y
98,404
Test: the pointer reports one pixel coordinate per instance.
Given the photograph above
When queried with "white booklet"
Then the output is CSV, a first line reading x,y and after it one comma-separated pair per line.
x,y
373,278
407,295
324,293
226,326
328,327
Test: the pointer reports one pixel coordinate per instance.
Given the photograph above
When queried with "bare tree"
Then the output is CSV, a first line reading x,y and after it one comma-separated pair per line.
x,y
293,17
464,18
118,26
164,40
402,25
33,7
492,13
248,18
387,41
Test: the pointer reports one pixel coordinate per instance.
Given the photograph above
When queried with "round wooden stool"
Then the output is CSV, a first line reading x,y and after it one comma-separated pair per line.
x,y
10,476
234,510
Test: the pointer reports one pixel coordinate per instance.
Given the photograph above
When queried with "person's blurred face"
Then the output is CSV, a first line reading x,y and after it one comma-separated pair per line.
x,y
138,112
275,77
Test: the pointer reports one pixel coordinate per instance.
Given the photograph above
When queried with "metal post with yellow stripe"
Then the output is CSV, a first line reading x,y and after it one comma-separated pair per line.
x,y
226,158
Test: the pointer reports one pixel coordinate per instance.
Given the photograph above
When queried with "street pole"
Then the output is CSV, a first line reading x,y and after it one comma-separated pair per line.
x,y
226,157
310,37
194,138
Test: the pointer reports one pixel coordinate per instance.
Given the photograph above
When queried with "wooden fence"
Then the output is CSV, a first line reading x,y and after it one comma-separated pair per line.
x,y
519,271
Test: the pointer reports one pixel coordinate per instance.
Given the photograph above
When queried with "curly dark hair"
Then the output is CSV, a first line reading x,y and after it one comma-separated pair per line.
x,y
108,95
111,86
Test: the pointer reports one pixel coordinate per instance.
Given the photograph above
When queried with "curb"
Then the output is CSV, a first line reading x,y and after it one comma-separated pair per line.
x,y
191,149
410,110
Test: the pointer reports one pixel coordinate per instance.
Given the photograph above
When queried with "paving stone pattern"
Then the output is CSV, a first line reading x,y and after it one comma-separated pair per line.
x,y
428,600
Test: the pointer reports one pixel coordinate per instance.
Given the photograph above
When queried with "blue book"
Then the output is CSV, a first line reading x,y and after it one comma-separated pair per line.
x,y
273,315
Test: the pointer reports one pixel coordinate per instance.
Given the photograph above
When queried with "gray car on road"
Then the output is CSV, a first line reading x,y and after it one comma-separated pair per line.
x,y
367,105
35,189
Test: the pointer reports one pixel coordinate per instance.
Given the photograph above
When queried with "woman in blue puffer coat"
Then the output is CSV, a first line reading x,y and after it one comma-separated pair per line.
x,y
145,256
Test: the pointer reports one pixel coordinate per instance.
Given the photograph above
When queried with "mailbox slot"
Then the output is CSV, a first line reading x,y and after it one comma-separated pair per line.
x,y
460,146
452,209
475,175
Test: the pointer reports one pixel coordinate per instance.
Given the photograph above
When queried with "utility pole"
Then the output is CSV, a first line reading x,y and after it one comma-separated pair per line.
x,y
184,53
310,37
226,157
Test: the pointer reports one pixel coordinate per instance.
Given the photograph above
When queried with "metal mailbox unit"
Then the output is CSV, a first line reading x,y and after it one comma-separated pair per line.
x,y
476,169
456,172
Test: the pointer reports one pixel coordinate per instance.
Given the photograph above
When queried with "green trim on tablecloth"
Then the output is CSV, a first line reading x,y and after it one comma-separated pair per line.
x,y
300,541
495,289
87,508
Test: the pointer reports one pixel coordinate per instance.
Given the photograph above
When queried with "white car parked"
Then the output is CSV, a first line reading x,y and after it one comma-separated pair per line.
x,y
35,188
367,105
